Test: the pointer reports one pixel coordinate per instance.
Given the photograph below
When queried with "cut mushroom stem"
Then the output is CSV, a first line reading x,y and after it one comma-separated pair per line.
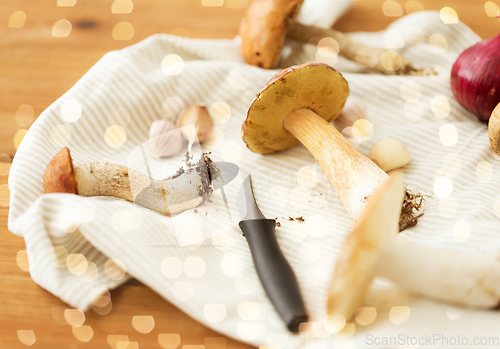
x,y
374,249
185,190
296,105
264,28
384,61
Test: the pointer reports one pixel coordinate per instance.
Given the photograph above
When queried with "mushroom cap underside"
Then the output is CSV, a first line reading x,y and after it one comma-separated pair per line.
x,y
355,268
315,86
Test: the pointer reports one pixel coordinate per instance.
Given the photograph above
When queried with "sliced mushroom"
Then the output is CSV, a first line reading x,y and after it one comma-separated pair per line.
x,y
168,196
373,249
297,104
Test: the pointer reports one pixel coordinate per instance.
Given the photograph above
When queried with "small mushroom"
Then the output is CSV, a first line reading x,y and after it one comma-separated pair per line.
x,y
373,249
264,28
297,104
494,129
172,195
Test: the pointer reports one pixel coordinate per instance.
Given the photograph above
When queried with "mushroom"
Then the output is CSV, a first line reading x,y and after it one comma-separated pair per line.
x,y
266,24
494,129
373,249
187,189
297,104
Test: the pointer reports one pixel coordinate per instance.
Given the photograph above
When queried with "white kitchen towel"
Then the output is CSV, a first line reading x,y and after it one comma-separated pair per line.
x,y
80,247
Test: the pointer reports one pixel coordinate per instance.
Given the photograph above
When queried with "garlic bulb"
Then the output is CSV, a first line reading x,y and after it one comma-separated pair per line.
x,y
165,139
354,109
198,116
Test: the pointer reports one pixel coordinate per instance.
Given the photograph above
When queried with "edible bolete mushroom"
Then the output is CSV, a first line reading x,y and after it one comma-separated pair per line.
x,y
494,129
373,249
297,104
185,190
264,28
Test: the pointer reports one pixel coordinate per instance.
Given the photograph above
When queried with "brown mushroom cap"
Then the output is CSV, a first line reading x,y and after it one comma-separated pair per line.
x,y
315,86
59,176
355,268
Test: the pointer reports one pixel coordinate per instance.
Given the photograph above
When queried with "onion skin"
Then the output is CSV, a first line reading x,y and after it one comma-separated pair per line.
x,y
475,78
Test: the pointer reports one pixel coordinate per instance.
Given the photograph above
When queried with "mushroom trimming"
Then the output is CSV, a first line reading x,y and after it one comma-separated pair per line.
x,y
297,104
265,25
185,190
373,249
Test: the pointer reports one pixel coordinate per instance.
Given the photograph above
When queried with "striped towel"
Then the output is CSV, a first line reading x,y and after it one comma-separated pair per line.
x,y
81,247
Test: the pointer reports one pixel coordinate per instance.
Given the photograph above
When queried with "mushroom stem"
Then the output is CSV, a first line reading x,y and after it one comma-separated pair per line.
x,y
470,279
353,175
387,62
185,190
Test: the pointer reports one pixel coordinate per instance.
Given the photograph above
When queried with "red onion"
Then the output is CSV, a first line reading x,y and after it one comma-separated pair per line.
x,y
475,78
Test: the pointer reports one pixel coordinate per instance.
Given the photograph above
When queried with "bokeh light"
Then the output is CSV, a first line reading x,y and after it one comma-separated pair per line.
x,y
115,269
454,313
122,6
123,31
25,260
307,177
171,267
117,341
74,317
410,90
220,112
169,340
76,263
334,323
71,111
448,135
248,331
414,6
414,35
66,3
181,31
18,137
61,28
17,19
194,266
215,313
143,323
83,333
27,337
438,42
392,8
25,115
249,311
394,39
491,9
440,106
443,187
399,314
462,231
115,136
347,332
365,315
237,3
448,15
172,64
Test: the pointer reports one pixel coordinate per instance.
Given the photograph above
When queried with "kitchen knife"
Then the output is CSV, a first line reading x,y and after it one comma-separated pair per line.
x,y
273,269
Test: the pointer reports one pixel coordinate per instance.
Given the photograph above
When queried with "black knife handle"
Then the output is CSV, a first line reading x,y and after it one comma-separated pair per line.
x,y
274,272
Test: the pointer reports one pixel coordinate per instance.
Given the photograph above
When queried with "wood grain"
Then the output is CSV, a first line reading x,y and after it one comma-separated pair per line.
x,y
36,68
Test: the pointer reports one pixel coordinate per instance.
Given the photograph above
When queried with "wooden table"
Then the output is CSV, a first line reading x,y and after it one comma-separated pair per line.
x,y
36,68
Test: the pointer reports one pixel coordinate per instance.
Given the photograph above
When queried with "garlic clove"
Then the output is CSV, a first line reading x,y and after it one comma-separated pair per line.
x,y
198,116
389,154
165,139
354,110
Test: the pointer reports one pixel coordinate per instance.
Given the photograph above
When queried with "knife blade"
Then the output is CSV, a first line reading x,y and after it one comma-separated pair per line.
x,y
275,274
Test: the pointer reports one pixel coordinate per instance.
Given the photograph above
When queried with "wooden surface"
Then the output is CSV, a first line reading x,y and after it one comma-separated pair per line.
x,y
36,68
